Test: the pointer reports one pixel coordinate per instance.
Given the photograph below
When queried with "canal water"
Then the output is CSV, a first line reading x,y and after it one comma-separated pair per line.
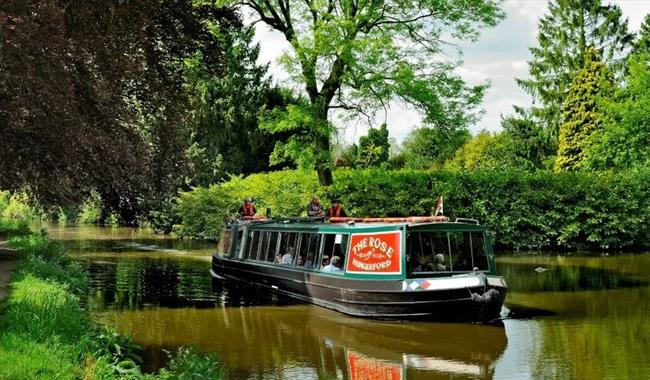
x,y
565,317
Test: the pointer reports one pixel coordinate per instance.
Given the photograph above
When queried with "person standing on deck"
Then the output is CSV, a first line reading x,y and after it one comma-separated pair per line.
x,y
247,209
336,210
314,207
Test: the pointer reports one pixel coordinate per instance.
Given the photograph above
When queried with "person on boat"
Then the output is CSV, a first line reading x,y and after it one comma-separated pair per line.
x,y
325,261
336,210
278,259
333,265
248,208
440,262
314,207
287,258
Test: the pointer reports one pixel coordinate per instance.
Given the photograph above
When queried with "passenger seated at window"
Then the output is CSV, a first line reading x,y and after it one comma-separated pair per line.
x,y
278,259
419,264
440,262
325,262
287,258
334,265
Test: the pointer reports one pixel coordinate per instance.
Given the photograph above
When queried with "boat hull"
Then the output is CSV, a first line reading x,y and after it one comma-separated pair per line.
x,y
472,297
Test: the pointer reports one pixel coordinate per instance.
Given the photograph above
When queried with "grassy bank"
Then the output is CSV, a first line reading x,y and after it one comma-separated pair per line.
x,y
539,211
45,332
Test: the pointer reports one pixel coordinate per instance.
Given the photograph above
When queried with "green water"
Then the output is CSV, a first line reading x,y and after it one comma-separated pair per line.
x,y
565,317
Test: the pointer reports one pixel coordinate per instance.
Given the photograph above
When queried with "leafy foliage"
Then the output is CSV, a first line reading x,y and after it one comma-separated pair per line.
x,y
581,115
539,210
565,33
225,101
91,209
642,43
624,141
425,147
374,147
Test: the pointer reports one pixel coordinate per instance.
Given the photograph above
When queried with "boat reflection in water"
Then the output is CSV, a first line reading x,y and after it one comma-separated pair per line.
x,y
308,342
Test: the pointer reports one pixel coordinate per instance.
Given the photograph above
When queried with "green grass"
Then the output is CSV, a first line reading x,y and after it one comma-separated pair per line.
x,y
24,358
45,333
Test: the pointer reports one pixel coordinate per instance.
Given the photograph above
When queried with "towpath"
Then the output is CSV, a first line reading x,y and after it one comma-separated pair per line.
x,y
8,264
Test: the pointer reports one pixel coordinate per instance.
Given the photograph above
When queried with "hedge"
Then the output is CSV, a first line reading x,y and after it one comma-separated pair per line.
x,y
539,211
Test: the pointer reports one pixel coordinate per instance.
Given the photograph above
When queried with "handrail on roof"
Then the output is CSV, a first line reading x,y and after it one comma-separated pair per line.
x,y
408,219
466,220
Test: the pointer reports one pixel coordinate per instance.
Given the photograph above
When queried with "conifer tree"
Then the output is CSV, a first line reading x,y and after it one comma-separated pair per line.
x,y
642,43
565,33
580,114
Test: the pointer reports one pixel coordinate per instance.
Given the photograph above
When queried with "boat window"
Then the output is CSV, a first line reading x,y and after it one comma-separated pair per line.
x,y
238,241
335,246
225,241
429,252
478,251
309,245
287,251
269,247
254,245
461,251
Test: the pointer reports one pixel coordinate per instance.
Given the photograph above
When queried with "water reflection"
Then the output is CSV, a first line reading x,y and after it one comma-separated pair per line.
x,y
157,281
311,342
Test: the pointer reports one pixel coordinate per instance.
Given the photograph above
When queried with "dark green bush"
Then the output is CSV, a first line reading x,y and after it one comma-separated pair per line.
x,y
542,210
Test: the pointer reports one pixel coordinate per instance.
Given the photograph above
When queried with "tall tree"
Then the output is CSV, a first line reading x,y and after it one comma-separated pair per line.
x,y
223,133
581,115
565,33
359,55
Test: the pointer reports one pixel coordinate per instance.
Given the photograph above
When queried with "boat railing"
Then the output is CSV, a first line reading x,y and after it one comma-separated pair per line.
x,y
466,220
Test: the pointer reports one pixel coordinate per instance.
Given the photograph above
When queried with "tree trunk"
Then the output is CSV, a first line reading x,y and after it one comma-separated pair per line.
x,y
325,175
324,166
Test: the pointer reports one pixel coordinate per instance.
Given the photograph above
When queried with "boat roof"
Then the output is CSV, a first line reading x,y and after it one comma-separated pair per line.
x,y
307,224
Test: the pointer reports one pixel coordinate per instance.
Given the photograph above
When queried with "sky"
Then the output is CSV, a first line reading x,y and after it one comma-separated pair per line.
x,y
500,55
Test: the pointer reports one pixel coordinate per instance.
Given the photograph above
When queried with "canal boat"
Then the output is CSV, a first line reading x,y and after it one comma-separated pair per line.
x,y
388,268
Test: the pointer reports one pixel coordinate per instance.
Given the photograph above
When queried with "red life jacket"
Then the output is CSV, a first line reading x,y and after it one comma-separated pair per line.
x,y
248,211
334,211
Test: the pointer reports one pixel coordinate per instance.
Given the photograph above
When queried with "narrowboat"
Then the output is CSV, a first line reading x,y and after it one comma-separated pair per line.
x,y
391,268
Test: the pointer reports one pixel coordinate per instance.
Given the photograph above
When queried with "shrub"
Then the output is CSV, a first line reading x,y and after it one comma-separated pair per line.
x,y
188,364
14,227
19,207
91,209
540,210
4,200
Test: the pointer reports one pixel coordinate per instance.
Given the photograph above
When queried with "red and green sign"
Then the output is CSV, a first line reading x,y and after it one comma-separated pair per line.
x,y
375,253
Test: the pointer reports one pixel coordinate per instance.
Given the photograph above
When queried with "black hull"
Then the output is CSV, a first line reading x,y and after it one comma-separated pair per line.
x,y
381,299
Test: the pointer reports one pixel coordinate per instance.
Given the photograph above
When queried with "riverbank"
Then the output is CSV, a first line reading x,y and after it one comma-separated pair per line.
x,y
45,331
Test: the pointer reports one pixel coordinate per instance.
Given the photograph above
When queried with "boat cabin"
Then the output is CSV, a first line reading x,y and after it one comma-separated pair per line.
x,y
363,250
